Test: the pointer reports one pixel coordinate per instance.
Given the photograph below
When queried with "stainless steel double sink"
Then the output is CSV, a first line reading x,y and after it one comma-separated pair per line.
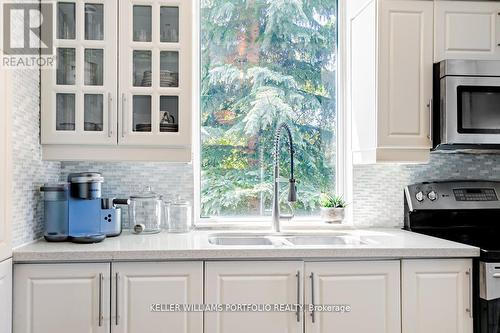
x,y
270,239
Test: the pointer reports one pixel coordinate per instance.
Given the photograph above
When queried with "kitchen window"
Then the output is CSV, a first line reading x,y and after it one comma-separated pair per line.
x,y
262,63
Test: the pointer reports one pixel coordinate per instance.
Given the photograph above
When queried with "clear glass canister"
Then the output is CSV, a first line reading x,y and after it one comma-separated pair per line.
x,y
166,214
145,211
179,216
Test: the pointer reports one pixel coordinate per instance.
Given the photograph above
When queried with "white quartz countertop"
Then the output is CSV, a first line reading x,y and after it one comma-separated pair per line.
x,y
383,243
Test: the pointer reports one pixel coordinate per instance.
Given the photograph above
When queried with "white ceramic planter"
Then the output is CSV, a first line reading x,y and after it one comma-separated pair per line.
x,y
332,215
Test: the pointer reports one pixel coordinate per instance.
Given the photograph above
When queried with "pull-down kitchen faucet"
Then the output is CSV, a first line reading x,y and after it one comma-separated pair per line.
x,y
292,191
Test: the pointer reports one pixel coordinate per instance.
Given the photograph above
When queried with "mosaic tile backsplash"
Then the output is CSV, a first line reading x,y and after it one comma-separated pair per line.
x,y
29,171
123,179
378,189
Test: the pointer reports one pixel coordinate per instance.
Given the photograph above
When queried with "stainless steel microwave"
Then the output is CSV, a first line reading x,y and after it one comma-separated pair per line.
x,y
466,107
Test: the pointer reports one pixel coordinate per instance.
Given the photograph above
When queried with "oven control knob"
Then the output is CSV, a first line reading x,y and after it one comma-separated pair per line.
x,y
432,195
419,196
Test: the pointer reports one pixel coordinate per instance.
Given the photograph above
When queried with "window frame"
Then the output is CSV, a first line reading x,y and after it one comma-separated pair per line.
x,y
344,164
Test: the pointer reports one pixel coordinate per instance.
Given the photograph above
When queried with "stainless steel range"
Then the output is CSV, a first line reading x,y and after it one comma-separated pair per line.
x,y
466,212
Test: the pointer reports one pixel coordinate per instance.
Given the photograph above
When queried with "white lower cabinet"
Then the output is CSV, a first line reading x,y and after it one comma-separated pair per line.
x,y
384,296
437,296
103,298
369,288
6,296
59,298
240,282
144,289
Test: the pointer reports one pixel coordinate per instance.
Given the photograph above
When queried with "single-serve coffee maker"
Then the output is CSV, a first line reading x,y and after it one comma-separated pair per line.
x,y
74,211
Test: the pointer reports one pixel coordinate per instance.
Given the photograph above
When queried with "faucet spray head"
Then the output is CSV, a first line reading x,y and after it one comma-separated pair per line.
x,y
292,191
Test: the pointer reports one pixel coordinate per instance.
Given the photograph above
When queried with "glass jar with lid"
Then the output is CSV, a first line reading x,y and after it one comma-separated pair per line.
x,y
145,212
179,216
166,215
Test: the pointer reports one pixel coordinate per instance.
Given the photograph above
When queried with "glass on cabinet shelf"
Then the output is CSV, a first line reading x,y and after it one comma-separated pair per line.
x,y
66,66
66,20
169,69
141,113
142,25
65,112
142,69
169,114
93,112
169,24
94,21
94,67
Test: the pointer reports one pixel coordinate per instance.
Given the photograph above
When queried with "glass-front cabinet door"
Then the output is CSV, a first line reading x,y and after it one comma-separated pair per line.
x,y
155,72
79,95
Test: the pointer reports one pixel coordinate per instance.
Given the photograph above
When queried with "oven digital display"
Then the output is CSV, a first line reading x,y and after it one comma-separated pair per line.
x,y
475,194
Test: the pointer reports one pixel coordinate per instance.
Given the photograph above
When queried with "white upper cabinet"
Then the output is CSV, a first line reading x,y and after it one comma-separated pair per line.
x,y
404,80
155,72
370,288
467,30
78,97
122,89
139,285
437,296
390,74
269,282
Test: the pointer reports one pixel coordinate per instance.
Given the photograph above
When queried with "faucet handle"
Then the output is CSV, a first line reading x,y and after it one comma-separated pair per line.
x,y
292,191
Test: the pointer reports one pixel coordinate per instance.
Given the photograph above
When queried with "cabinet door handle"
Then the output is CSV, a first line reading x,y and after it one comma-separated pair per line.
x,y
101,278
110,115
117,316
429,106
124,115
297,311
313,317
469,276
498,27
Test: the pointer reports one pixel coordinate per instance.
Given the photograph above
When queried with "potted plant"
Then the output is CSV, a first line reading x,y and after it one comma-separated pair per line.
x,y
332,208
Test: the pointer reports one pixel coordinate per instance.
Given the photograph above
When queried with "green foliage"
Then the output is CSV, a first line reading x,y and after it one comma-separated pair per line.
x,y
332,201
265,62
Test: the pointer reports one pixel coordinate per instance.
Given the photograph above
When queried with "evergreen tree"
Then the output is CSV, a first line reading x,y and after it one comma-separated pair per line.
x,y
265,62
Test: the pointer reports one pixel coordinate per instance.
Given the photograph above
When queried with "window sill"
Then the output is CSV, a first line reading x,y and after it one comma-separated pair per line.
x,y
301,223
